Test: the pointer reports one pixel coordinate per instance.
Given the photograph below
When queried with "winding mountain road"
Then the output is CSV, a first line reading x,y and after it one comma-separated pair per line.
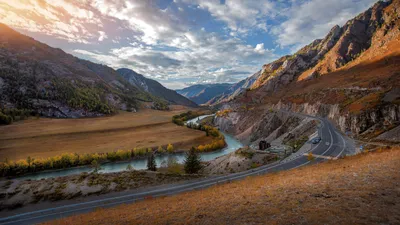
x,y
333,144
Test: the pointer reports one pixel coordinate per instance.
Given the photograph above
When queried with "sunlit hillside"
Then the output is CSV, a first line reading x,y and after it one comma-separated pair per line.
x,y
362,189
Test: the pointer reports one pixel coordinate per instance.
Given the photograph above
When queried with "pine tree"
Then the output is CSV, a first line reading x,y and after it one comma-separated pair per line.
x,y
151,162
192,162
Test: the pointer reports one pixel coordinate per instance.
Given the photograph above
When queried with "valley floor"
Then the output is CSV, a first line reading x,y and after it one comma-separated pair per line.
x,y
362,189
42,138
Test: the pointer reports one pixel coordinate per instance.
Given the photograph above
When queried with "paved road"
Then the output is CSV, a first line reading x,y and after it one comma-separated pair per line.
x,y
332,144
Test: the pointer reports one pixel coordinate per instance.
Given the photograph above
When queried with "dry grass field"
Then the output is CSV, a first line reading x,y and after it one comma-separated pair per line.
x,y
362,189
41,138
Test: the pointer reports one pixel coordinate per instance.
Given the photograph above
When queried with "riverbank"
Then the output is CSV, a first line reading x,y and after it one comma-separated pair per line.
x,y
118,160
45,137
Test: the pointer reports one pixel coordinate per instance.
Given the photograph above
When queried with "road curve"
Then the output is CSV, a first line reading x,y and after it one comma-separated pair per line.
x,y
333,144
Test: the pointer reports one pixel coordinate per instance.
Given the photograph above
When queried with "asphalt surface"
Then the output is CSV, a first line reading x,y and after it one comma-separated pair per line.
x,y
332,144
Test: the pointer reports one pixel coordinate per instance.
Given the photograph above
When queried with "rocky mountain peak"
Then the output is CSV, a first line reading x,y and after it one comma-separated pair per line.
x,y
339,47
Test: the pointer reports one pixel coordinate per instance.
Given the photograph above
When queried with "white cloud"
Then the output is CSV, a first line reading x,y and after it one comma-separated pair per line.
x,y
240,16
260,48
145,17
312,19
102,36
199,56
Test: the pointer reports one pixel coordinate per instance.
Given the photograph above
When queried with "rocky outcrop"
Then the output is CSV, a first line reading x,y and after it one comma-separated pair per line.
x,y
340,46
357,124
264,124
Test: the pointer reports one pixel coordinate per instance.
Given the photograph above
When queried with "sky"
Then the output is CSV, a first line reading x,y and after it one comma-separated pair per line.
x,y
180,42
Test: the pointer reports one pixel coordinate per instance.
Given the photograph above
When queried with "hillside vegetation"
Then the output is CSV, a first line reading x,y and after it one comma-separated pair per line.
x,y
46,81
155,88
362,189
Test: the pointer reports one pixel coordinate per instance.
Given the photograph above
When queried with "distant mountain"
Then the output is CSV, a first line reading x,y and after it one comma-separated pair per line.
x,y
202,93
213,94
155,88
235,90
44,80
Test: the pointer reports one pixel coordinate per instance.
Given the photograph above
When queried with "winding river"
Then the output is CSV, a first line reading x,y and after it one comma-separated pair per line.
x,y
140,164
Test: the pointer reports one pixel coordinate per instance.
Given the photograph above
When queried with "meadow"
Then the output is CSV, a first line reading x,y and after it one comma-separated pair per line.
x,y
45,137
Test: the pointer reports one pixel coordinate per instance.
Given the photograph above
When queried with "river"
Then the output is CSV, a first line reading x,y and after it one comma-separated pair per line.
x,y
140,164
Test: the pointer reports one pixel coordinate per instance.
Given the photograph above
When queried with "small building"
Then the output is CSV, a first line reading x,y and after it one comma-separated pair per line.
x,y
263,145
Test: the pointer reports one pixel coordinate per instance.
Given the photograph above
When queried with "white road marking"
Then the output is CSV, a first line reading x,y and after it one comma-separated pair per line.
x,y
344,146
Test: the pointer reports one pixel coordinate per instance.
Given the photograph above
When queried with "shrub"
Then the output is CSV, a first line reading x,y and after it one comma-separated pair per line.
x,y
170,148
96,166
160,149
129,167
173,166
181,118
310,156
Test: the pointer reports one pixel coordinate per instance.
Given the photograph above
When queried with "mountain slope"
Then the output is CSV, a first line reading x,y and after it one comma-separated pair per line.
x,y
153,87
50,82
202,93
323,193
351,76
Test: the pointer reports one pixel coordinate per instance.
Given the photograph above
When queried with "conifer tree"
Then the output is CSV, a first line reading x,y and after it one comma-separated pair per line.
x,y
151,162
192,162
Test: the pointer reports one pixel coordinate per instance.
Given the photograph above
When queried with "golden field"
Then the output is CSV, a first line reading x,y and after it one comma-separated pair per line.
x,y
362,189
42,138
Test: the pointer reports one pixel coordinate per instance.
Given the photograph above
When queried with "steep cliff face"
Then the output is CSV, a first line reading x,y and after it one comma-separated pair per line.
x,y
378,118
251,125
351,76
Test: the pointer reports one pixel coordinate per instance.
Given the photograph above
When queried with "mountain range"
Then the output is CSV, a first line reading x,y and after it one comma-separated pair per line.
x,y
351,76
49,82
212,94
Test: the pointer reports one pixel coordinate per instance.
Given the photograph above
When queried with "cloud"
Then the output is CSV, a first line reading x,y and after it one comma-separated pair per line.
x,y
102,36
312,19
260,48
145,17
180,41
62,19
199,56
240,16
